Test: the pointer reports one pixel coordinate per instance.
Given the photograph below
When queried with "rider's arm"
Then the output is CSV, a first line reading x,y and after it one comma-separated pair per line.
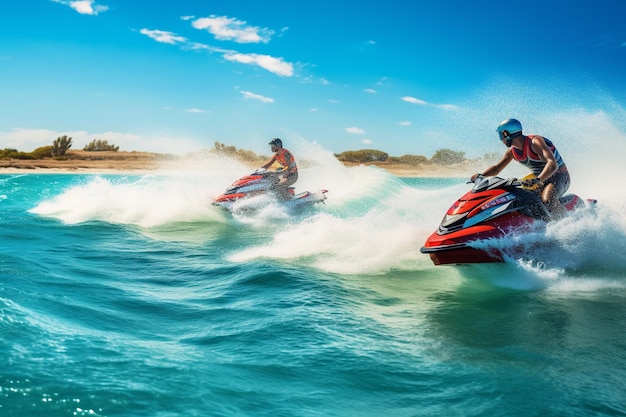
x,y
499,166
271,161
546,155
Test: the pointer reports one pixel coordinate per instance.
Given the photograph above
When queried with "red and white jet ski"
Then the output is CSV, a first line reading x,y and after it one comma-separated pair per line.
x,y
256,190
494,208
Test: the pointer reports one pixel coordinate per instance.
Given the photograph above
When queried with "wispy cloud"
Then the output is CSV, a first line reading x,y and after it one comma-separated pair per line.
x,y
414,100
420,102
231,29
190,110
404,123
197,111
88,7
355,130
370,91
446,106
276,65
272,64
252,96
163,36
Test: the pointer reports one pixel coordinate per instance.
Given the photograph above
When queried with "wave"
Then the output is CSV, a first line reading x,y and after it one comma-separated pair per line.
x,y
372,223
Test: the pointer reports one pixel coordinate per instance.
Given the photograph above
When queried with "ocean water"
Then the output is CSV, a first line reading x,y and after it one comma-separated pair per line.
x,y
131,295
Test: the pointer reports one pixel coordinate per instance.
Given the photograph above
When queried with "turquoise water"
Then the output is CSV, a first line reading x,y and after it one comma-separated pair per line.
x,y
133,296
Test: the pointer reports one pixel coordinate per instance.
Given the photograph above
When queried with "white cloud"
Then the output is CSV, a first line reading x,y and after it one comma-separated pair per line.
x,y
248,95
88,7
367,141
231,29
370,90
414,100
27,140
355,130
163,36
404,123
446,106
274,65
197,111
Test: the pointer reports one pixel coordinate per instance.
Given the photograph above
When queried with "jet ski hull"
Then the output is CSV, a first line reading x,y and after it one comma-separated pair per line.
x,y
456,247
255,191
495,208
239,202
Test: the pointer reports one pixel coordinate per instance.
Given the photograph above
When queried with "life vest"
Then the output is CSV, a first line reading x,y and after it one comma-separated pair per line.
x,y
530,159
286,159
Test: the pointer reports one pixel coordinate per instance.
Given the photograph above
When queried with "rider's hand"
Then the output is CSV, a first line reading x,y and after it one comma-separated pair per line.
x,y
532,182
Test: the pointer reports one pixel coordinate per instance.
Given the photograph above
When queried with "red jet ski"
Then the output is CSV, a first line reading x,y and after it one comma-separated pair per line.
x,y
258,189
494,208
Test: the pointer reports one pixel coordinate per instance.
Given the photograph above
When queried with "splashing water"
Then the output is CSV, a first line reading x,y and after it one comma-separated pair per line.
x,y
372,222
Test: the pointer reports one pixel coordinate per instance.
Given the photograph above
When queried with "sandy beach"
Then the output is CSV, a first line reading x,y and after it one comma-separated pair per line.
x,y
147,162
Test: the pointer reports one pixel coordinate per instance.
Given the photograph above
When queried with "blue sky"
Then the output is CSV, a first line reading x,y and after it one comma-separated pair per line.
x,y
405,77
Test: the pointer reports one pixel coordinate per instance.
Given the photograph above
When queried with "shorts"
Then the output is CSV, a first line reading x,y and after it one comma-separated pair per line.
x,y
561,181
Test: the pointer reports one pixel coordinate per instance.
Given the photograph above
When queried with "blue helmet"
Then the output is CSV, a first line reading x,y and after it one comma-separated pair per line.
x,y
277,142
508,129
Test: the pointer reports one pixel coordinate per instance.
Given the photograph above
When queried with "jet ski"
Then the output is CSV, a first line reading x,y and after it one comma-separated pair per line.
x,y
258,189
494,208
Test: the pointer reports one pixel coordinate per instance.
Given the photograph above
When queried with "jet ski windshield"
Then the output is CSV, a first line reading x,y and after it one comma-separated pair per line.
x,y
489,183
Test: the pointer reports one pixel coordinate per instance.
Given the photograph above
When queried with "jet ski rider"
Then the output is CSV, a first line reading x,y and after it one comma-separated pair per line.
x,y
543,159
289,173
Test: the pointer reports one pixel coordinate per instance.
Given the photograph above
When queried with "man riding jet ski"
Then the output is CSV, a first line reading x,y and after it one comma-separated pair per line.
x,y
276,184
287,171
496,207
540,156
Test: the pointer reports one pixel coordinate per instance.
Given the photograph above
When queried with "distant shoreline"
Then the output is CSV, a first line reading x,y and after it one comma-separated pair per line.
x,y
82,162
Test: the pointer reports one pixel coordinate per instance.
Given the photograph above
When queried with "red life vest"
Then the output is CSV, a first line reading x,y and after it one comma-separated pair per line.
x,y
527,157
286,159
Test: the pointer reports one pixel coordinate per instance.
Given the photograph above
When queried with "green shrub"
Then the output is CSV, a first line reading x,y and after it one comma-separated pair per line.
x,y
14,154
363,156
61,145
100,145
42,152
241,154
447,157
409,159
8,153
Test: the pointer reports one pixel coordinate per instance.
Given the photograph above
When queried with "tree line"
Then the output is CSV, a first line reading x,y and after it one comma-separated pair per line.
x,y
63,143
59,148
440,157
